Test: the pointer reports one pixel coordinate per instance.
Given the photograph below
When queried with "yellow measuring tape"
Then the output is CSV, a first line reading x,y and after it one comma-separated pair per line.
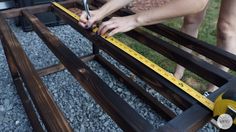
x,y
195,94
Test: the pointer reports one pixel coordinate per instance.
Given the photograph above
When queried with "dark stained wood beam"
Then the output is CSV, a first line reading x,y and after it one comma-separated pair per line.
x,y
49,112
192,63
50,70
34,9
26,101
161,109
120,111
196,116
59,67
210,51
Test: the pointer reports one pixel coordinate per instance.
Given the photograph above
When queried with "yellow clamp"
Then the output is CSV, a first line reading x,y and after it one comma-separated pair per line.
x,y
222,106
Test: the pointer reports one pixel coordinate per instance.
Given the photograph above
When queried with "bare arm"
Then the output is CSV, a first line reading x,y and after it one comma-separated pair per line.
x,y
111,6
173,9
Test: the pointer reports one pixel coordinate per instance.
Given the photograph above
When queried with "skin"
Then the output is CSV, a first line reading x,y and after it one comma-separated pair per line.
x,y
226,31
123,24
97,15
190,26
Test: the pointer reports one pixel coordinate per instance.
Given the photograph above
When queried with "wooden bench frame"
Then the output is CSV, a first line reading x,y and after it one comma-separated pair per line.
x,y
38,101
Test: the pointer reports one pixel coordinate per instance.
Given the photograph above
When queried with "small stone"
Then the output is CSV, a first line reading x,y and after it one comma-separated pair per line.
x,y
127,93
6,102
2,108
90,106
86,96
17,122
103,117
111,84
106,123
71,119
76,130
56,95
72,110
82,128
119,90
1,117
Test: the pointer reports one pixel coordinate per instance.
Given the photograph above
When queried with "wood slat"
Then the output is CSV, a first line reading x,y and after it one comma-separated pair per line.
x,y
125,116
34,9
59,67
50,70
26,102
51,116
210,51
161,109
192,63
195,117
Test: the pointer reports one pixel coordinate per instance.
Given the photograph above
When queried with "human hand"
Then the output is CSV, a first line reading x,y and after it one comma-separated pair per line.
x,y
87,22
117,25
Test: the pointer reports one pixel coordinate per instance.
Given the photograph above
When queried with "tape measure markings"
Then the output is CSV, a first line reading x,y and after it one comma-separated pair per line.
x,y
66,11
192,92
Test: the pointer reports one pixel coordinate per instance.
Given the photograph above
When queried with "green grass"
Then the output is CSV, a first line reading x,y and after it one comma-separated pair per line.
x,y
207,33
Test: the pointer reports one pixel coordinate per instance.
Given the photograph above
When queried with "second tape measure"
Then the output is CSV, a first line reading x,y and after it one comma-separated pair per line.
x,y
180,84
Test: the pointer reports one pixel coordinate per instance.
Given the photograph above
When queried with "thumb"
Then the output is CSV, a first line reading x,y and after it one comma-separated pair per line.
x,y
91,22
83,19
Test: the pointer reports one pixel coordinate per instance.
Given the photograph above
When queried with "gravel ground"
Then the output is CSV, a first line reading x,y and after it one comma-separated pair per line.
x,y
78,106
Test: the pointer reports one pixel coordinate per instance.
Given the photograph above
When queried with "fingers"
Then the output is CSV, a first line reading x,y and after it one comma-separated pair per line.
x,y
91,22
111,27
83,19
85,22
113,32
106,27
